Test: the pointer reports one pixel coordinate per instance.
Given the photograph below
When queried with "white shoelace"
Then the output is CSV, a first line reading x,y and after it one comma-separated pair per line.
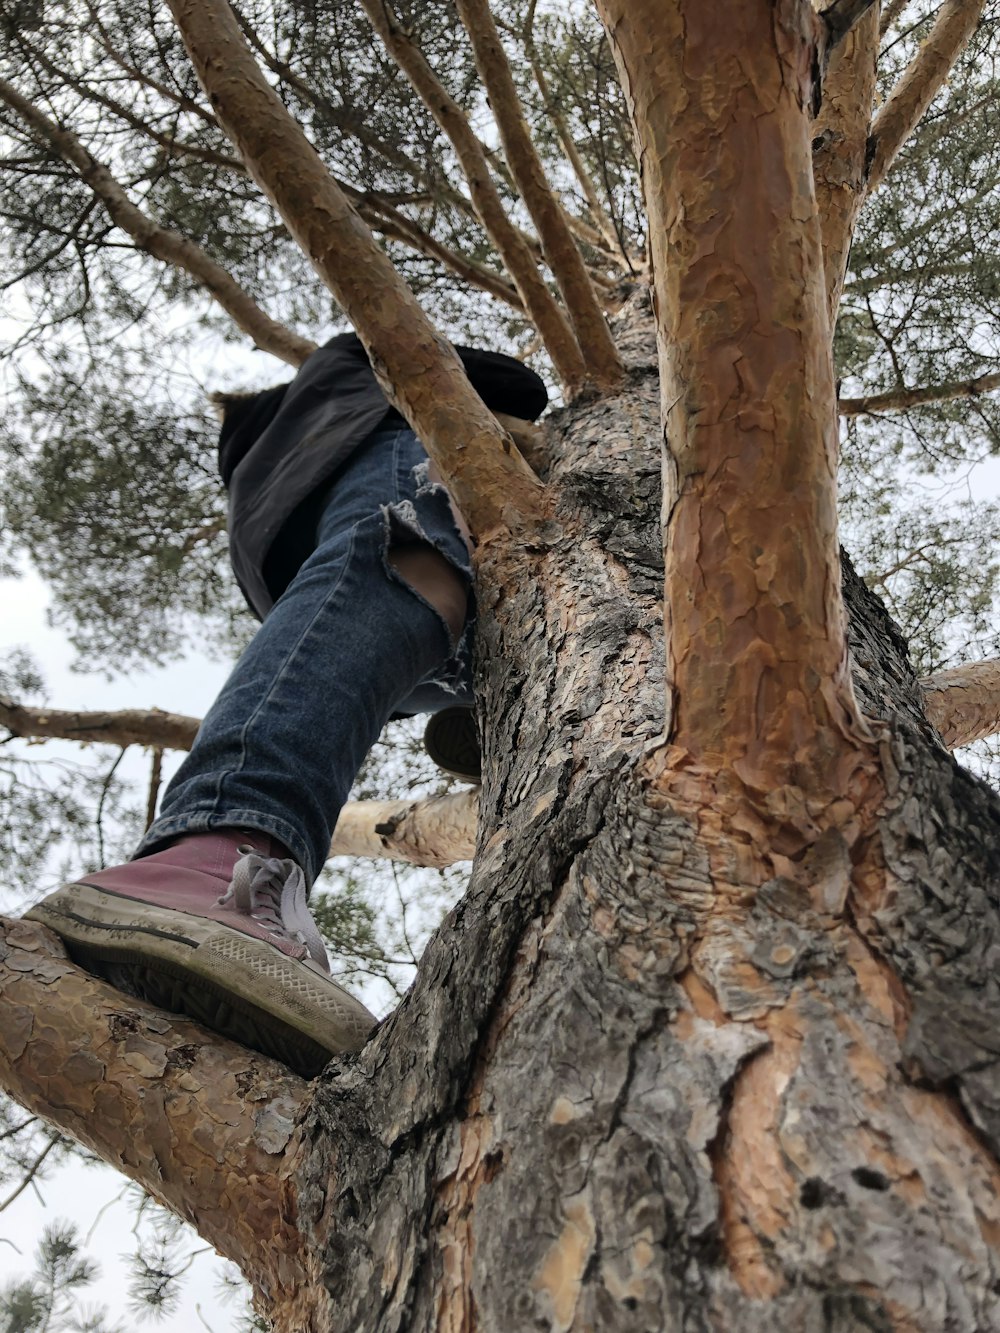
x,y
273,892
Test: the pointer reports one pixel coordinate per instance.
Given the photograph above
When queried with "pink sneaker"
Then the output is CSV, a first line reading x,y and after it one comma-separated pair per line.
x,y
215,927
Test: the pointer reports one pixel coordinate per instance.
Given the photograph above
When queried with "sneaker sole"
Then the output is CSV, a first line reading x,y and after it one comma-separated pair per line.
x,y
452,742
238,986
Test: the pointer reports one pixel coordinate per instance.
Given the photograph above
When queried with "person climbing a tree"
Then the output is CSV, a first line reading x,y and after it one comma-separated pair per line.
x,y
348,548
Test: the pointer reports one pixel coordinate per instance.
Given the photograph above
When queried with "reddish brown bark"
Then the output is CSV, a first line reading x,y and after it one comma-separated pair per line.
x,y
840,140
720,96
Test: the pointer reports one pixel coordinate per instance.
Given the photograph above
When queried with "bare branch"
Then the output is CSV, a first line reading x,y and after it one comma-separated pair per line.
x,y
963,703
890,14
418,370
155,778
162,243
436,831
129,726
543,310
923,79
433,832
172,146
560,249
91,1060
898,400
390,222
611,242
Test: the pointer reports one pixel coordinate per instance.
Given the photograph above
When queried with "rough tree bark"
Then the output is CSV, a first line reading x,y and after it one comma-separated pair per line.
x,y
709,1043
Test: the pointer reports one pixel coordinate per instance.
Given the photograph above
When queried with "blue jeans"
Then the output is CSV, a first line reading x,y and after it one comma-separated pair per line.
x,y
347,645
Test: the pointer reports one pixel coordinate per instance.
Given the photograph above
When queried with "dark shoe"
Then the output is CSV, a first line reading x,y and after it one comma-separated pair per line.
x,y
452,741
215,927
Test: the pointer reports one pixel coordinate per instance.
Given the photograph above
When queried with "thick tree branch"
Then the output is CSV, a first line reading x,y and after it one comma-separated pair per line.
x,y
548,318
757,663
128,726
138,1088
560,249
898,400
162,243
436,831
923,79
840,141
963,703
419,371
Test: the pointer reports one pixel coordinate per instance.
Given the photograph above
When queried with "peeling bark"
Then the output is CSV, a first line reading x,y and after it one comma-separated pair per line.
x,y
840,144
436,831
762,708
213,1131
633,1087
963,703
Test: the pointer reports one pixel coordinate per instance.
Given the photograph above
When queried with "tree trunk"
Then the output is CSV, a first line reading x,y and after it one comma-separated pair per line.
x,y
616,1097
612,1101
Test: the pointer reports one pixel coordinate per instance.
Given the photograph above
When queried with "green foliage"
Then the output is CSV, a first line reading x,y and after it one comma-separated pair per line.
x,y
47,1300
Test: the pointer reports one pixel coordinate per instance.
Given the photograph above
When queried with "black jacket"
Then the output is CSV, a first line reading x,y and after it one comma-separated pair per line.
x,y
279,447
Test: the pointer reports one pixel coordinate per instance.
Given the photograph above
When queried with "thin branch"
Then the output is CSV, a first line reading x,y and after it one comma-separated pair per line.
x,y
390,222
146,80
898,400
925,76
605,223
963,703
561,251
548,318
30,1175
162,243
155,778
99,816
419,371
172,146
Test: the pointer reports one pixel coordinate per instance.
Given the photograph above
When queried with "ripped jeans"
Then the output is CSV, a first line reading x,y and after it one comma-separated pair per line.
x,y
347,645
